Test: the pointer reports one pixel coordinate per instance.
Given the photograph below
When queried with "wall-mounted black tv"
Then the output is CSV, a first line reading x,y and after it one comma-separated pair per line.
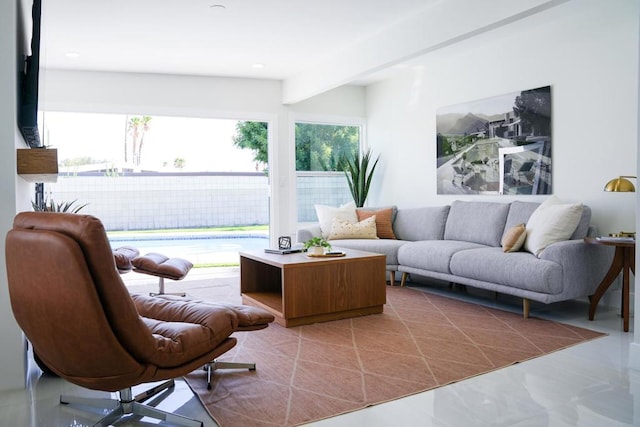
x,y
28,68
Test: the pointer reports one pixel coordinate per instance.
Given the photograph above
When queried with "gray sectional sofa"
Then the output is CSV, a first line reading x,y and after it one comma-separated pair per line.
x,y
461,243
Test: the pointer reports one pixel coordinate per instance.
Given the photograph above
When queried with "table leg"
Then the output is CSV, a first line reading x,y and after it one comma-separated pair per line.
x,y
629,261
616,266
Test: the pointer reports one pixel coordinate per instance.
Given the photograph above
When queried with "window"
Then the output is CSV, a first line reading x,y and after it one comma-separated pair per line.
x,y
320,149
90,141
156,172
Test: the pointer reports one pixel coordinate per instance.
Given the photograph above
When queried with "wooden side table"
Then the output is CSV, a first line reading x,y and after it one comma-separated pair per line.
x,y
623,260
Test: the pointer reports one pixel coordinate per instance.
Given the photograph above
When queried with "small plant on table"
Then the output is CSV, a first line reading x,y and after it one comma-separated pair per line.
x,y
317,245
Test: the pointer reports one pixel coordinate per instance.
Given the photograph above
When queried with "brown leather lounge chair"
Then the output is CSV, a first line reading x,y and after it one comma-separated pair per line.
x,y
68,298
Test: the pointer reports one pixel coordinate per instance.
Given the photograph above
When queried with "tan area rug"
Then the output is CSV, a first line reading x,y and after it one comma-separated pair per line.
x,y
420,342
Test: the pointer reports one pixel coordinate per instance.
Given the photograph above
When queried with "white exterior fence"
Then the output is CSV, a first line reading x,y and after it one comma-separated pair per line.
x,y
155,201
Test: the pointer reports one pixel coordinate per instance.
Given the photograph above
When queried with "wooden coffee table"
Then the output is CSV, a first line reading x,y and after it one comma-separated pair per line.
x,y
299,290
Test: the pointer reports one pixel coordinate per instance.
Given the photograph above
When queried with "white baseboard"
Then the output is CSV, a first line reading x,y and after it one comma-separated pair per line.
x,y
613,298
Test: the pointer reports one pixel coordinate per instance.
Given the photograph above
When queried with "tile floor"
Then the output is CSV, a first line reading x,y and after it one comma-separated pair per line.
x,y
585,385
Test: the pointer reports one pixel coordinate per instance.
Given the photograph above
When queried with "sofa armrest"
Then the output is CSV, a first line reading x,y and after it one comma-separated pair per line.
x,y
584,265
308,232
592,231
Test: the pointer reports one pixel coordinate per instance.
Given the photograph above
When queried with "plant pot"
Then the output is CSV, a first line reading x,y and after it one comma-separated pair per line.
x,y
315,250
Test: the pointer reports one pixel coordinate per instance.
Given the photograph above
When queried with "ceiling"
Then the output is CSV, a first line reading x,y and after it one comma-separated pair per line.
x,y
309,45
210,37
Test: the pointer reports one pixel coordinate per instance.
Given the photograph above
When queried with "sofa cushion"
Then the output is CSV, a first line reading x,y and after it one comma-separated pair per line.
x,y
387,247
426,223
553,221
477,222
384,222
521,211
513,238
432,255
520,270
365,229
582,229
326,214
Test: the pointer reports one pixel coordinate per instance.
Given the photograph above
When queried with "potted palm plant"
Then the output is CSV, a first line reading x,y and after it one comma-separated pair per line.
x,y
359,176
51,206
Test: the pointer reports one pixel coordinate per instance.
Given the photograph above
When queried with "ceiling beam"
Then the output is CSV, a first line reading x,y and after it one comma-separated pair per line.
x,y
428,31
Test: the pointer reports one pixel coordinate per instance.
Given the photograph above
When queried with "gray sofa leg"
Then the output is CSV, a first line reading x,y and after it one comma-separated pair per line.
x,y
392,278
525,308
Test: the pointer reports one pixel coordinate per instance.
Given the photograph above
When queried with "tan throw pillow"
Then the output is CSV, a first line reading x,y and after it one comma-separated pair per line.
x,y
383,221
341,229
551,222
326,214
514,238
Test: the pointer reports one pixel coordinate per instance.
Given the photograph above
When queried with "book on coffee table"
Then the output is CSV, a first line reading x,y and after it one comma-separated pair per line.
x,y
282,251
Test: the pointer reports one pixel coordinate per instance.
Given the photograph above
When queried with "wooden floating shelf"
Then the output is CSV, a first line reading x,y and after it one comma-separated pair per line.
x,y
38,164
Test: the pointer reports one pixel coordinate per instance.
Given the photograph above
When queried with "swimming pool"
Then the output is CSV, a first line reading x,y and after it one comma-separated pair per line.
x,y
197,248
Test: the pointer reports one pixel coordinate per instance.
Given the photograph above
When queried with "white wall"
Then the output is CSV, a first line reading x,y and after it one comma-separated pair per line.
x,y
15,194
634,348
586,50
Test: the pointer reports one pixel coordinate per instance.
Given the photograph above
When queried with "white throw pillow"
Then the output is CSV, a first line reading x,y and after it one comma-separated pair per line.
x,y
551,222
326,214
365,229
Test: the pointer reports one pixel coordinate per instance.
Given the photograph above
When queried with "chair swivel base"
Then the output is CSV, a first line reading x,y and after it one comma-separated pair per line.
x,y
162,292
129,405
212,366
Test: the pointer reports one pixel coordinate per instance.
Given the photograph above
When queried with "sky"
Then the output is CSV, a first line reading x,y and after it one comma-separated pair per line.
x,y
205,144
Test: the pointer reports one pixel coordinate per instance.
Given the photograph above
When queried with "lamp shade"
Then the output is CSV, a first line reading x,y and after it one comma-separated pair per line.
x,y
620,184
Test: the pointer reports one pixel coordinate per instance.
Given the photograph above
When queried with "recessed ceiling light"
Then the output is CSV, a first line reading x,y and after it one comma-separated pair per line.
x,y
257,65
72,55
218,6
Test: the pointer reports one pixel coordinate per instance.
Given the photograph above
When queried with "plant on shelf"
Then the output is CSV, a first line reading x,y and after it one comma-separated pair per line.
x,y
359,176
317,245
51,206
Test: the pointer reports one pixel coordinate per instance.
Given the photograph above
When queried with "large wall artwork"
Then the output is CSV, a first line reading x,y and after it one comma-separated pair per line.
x,y
498,145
